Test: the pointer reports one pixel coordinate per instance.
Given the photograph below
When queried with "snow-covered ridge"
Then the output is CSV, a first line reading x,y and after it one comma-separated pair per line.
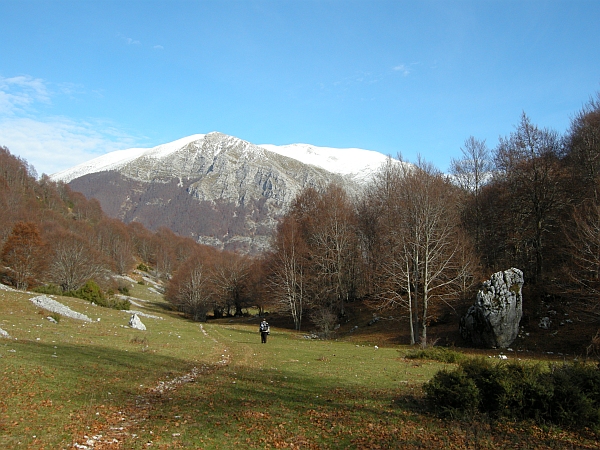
x,y
117,159
343,161
355,162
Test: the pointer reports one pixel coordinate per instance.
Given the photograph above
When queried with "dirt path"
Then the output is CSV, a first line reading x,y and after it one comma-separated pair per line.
x,y
119,423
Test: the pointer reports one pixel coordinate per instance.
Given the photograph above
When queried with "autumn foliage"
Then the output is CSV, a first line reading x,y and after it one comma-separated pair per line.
x,y
413,244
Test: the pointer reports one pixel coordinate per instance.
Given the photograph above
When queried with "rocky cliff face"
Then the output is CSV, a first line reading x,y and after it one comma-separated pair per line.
x,y
221,190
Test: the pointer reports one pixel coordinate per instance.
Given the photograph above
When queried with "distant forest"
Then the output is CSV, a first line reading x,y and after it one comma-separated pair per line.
x,y
414,243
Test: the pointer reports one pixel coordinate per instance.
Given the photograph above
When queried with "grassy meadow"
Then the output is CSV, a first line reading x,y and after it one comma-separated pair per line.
x,y
182,384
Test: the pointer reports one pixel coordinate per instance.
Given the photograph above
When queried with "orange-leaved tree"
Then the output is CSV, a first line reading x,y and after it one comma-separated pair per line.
x,y
23,253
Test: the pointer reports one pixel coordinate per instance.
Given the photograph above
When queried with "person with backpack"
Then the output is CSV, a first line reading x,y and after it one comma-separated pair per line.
x,y
264,331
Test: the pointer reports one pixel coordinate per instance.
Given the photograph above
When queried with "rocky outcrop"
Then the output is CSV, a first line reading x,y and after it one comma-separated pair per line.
x,y
493,320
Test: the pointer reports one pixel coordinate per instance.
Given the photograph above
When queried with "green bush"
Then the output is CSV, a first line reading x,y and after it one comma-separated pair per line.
x,y
49,289
576,396
441,354
143,267
453,394
490,380
90,291
566,395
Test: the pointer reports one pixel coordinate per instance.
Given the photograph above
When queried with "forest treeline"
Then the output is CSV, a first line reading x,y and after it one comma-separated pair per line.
x,y
416,241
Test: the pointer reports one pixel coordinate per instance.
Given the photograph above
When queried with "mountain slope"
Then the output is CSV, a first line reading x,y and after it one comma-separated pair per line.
x,y
219,189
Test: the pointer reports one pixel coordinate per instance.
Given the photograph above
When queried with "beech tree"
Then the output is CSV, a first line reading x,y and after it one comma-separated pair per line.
x,y
229,274
584,240
471,172
527,163
72,261
189,290
424,264
289,270
333,247
142,240
114,241
23,253
583,143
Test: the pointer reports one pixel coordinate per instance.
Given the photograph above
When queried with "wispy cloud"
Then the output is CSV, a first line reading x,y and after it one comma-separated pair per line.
x,y
405,69
158,47
17,94
128,40
51,142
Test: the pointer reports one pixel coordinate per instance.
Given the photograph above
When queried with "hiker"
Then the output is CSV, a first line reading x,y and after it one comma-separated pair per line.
x,y
264,330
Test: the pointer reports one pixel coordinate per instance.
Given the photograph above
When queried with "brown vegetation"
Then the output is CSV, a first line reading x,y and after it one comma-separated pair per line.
x,y
414,245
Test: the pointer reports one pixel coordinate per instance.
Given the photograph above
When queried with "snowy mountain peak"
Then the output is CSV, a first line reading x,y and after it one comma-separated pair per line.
x,y
356,163
218,189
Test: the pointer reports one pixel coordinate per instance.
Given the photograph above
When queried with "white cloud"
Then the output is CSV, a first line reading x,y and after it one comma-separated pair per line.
x,y
19,93
403,69
51,143
159,47
56,144
128,40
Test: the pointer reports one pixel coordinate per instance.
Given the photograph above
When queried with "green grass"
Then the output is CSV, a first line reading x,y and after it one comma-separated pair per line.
x,y
88,379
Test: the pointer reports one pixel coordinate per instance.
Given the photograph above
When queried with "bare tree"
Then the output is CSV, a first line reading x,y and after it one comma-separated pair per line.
x,y
527,162
228,279
113,240
288,270
72,261
333,246
425,263
583,143
189,290
472,172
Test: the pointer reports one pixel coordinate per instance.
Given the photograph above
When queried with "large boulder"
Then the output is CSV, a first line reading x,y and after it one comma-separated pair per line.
x,y
493,320
136,323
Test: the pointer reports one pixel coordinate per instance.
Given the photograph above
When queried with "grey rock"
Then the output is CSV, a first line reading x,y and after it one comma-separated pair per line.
x,y
493,320
545,323
136,323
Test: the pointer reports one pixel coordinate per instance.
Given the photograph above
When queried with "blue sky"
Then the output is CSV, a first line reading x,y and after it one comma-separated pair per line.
x,y
81,78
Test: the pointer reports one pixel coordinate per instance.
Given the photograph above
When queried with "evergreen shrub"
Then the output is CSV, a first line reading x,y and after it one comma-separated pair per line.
x,y
90,291
441,354
567,394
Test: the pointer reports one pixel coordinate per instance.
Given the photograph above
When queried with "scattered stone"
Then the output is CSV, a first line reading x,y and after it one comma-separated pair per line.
x,y
545,323
136,323
141,314
51,319
4,334
311,336
493,320
374,320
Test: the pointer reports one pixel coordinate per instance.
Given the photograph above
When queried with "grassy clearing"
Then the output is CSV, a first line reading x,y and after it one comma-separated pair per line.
x,y
70,382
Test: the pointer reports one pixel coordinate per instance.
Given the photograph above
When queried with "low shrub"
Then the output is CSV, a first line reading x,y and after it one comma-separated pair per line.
x,y
568,394
48,289
90,291
441,354
576,394
453,394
